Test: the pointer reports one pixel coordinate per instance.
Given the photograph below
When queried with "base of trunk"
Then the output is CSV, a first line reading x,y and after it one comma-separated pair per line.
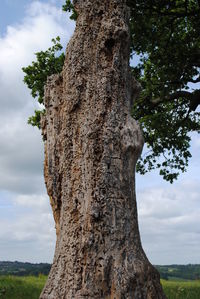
x,y
115,283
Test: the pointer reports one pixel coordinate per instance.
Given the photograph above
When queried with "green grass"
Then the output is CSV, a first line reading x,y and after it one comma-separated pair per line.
x,y
29,287
15,287
181,289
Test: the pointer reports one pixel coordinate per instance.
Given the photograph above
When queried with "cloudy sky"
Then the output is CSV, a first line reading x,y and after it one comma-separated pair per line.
x,y
169,215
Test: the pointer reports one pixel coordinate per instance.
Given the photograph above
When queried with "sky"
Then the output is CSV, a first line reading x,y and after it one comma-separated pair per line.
x,y
169,215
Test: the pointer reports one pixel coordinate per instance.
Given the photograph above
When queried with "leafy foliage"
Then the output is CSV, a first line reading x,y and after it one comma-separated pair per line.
x,y
47,63
165,35
68,7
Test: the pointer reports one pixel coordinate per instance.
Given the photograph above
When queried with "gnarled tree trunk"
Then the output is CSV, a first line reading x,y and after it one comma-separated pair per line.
x,y
91,148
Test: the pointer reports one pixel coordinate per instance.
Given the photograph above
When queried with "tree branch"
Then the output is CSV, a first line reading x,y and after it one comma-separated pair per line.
x,y
173,96
195,80
180,94
195,101
192,97
175,14
180,14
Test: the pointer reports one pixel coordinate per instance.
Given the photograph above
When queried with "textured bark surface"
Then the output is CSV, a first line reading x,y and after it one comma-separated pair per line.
x,y
91,148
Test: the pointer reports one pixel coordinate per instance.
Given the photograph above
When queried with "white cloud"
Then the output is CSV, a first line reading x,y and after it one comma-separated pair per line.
x,y
33,201
169,222
21,148
196,140
17,48
26,226
21,157
31,227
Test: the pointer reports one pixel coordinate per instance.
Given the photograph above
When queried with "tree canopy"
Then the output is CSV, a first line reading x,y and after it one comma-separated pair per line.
x,y
165,34
165,37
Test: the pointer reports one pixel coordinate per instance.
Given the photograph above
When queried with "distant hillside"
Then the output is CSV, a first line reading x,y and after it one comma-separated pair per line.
x,y
23,269
188,272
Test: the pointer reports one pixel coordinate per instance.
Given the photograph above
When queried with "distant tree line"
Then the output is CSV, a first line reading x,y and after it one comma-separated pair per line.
x,y
24,269
188,272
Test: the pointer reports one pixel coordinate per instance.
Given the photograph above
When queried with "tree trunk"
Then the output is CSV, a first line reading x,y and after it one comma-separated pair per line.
x,y
91,148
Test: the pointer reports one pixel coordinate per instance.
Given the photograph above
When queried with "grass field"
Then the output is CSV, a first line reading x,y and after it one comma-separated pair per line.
x,y
12,287
181,289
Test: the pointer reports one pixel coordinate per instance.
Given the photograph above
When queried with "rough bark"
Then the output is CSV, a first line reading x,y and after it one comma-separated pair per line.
x,y
91,148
